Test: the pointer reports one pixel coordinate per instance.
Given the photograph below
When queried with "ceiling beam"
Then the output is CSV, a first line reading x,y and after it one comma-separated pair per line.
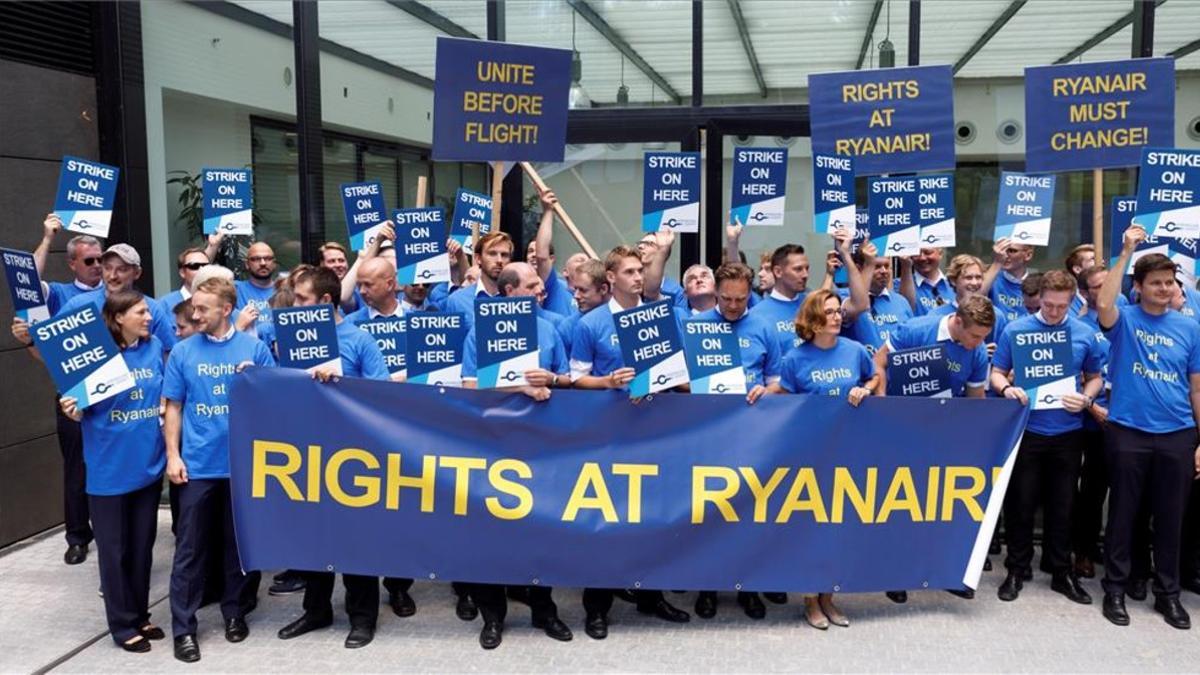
x,y
1009,12
866,43
592,17
432,17
1103,35
1183,51
735,8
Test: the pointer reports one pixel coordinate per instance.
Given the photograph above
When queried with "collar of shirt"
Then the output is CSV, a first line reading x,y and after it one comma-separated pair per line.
x,y
406,306
481,290
224,338
937,280
84,287
185,292
885,293
1013,279
373,313
780,296
614,306
943,333
1044,322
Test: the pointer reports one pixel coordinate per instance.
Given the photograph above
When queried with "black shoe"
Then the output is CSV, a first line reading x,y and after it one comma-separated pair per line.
x,y
898,597
187,649
1137,589
402,604
1114,609
752,605
706,604
140,646
304,624
152,632
776,598
490,636
360,636
987,564
236,629
1011,588
1191,584
596,626
287,583
555,628
1173,612
626,595
76,553
964,593
663,610
518,594
466,609
1069,586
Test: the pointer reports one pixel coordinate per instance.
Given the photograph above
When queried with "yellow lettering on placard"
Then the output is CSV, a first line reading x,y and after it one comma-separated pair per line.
x,y
762,493
423,483
463,466
863,501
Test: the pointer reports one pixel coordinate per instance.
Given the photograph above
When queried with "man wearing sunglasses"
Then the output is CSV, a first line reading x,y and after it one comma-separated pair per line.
x,y
188,263
83,259
254,294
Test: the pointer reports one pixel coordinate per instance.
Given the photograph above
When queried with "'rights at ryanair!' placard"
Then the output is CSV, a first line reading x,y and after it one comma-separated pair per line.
x,y
714,358
1023,214
365,212
306,338
833,193
495,101
228,201
434,353
1168,202
671,192
921,371
24,285
471,210
892,120
1097,115
1181,251
892,203
650,344
506,341
421,246
86,194
1042,366
935,210
389,333
759,183
81,356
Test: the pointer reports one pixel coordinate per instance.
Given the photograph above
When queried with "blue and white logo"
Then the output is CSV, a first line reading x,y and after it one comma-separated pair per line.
x,y
671,192
306,338
471,211
714,358
24,285
651,345
892,204
935,210
759,184
1042,364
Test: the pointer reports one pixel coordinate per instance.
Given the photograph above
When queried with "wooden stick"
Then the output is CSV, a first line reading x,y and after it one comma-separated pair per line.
x,y
1098,214
559,211
497,199
422,191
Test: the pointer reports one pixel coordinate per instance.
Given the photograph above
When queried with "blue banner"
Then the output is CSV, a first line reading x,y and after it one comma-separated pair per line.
x,y
586,489
421,246
495,101
434,353
81,356
921,371
506,340
391,336
24,285
471,210
228,201
1168,202
714,357
365,212
1042,366
759,185
892,204
1097,115
833,192
671,192
1023,213
86,194
891,120
935,210
651,345
306,338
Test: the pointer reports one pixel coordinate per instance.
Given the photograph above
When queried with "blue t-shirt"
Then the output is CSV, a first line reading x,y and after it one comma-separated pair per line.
x,y
862,329
1191,306
758,344
360,353
162,324
997,329
888,310
464,301
559,298
1086,357
967,368
171,299
439,292
595,349
566,328
199,374
808,369
673,290
59,294
1092,321
551,354
354,304
930,296
249,294
1150,362
123,445
1006,294
780,315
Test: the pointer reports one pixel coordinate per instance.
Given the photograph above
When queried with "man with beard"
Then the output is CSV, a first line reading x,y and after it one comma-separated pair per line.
x,y
254,294
493,252
789,265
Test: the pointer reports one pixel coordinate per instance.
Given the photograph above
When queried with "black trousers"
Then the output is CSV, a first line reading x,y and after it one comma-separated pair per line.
x,y
1045,475
1189,559
1140,464
1088,515
600,600
75,498
204,504
362,597
493,602
395,585
126,526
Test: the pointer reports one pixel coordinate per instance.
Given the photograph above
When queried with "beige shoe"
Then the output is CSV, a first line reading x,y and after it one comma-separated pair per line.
x,y
831,611
813,614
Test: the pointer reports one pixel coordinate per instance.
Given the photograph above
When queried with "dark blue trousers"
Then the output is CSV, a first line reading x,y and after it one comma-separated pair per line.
x,y
125,527
75,498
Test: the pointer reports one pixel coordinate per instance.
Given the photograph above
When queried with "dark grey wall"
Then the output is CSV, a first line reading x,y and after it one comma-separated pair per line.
x,y
44,114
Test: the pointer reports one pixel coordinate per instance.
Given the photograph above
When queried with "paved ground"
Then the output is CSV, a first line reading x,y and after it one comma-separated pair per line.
x,y
50,616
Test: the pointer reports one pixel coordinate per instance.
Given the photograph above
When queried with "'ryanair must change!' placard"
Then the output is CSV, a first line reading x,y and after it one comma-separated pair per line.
x,y
306,338
1042,366
833,193
650,344
421,246
434,351
892,203
921,371
935,210
365,212
24,285
1023,214
81,356
671,194
1168,202
228,204
86,193
506,341
759,183
471,211
714,358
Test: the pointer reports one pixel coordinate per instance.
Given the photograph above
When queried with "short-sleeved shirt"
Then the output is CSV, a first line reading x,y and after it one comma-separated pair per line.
x,y
809,369
249,294
170,300
780,314
1150,363
360,353
968,368
758,344
559,298
566,328
862,329
463,301
162,323
1191,306
1092,321
595,348
889,310
931,295
59,293
673,290
997,328
552,356
1006,294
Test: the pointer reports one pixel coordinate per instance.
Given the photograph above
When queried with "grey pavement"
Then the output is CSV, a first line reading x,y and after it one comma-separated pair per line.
x,y
50,615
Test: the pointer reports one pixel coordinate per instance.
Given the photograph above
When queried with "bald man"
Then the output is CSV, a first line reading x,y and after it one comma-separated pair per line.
x,y
254,294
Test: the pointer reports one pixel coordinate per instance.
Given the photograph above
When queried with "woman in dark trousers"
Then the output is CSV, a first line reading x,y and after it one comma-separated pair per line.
x,y
125,457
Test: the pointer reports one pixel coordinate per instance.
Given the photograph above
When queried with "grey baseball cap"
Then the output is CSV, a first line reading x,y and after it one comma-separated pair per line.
x,y
125,252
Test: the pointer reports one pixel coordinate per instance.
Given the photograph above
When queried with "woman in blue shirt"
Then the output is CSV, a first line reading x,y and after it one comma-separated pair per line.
x,y
125,456
825,364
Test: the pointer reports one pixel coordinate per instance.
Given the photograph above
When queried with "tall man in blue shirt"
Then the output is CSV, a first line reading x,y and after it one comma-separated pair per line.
x,y
493,251
1153,448
254,294
789,264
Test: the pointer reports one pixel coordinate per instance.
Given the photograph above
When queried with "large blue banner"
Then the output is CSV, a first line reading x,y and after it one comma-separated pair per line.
x,y
794,493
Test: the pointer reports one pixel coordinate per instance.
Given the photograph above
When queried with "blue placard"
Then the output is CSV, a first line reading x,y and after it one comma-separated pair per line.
x,y
1023,214
1169,193
1120,218
922,371
759,184
1182,251
892,203
421,246
390,335
434,353
86,193
24,285
1096,115
1042,366
495,101
862,232
81,356
506,340
671,192
365,212
935,210
651,345
228,201
306,338
714,358
833,192
471,210
893,120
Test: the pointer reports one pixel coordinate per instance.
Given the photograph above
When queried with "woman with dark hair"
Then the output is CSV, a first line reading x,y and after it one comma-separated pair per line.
x,y
825,364
125,456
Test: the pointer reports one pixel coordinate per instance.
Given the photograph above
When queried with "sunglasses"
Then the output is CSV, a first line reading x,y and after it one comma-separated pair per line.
x,y
193,266
91,261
